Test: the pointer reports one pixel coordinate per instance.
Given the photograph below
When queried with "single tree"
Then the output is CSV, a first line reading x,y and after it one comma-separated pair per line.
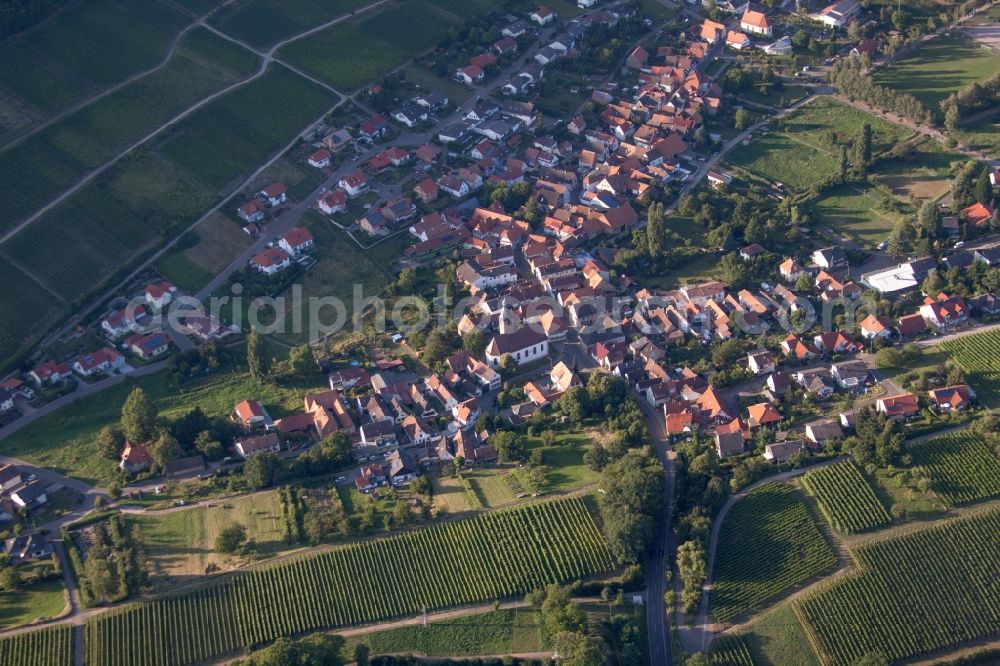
x,y
110,441
230,539
257,360
138,421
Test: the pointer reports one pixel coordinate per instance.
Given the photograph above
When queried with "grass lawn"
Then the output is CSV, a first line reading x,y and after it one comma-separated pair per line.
x,y
922,174
778,639
31,603
984,135
64,440
496,632
565,458
940,67
850,210
700,268
182,543
803,148
766,94
179,269
219,242
425,78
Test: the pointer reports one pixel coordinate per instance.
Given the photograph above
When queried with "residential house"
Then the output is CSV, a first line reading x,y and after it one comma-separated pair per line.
x,y
30,496
899,406
50,372
839,14
274,194
320,159
951,398
542,16
379,433
470,74
763,414
148,345
945,312
760,362
121,322
755,22
791,270
159,294
850,375
400,472
252,211
10,477
296,241
911,324
876,327
271,260
333,202
830,258
135,458
729,439
248,446
820,432
780,452
102,360
354,184
252,414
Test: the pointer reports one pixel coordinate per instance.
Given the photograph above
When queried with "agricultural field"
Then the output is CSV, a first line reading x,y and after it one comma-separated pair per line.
x,y
182,543
962,467
940,67
855,212
845,498
55,65
922,174
496,632
979,356
804,147
25,302
52,646
768,544
546,542
64,440
219,241
926,590
351,53
730,651
777,638
262,23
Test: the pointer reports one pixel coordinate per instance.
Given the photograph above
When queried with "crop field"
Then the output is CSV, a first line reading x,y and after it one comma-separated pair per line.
x,y
777,638
926,590
495,555
262,23
940,67
52,646
57,65
25,302
472,8
802,148
351,53
227,138
182,543
979,356
36,170
768,544
962,467
730,651
923,174
496,632
850,210
845,498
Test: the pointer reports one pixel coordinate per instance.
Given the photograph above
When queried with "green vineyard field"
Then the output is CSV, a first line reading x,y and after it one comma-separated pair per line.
x,y
492,556
43,647
962,467
979,356
845,498
730,651
768,544
927,590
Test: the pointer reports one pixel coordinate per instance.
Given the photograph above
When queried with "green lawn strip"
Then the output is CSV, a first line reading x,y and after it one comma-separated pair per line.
x,y
182,271
778,639
32,602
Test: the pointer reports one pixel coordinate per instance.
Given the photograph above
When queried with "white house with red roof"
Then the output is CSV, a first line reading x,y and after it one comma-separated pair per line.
x,y
945,311
272,260
333,202
251,413
543,15
469,74
756,23
274,194
247,446
296,241
252,211
876,327
135,458
737,40
354,183
159,294
102,360
119,322
320,159
50,371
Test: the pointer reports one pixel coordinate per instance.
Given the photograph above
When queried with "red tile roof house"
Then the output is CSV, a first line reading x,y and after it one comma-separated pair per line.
x,y
159,294
320,159
296,241
945,312
251,413
270,261
333,202
951,398
543,15
148,345
911,324
901,406
469,74
354,183
274,194
977,214
252,211
755,22
135,458
102,360
247,446
119,322
50,372
426,190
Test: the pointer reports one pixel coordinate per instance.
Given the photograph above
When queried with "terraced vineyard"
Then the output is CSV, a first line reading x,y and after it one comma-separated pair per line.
x,y
492,556
45,647
768,544
979,356
962,467
846,498
730,651
926,590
